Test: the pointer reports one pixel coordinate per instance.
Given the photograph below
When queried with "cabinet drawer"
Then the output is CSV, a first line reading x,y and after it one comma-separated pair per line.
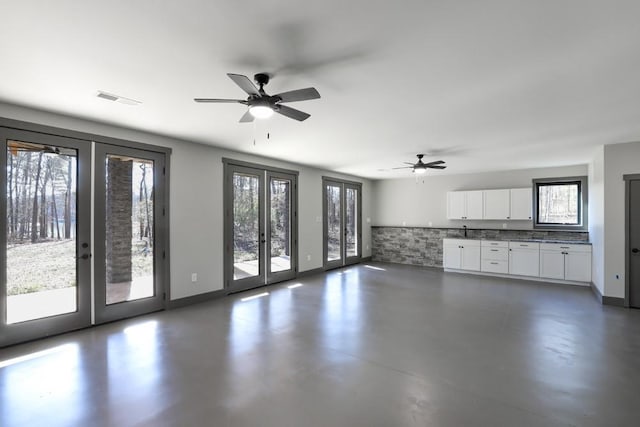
x,y
565,247
495,244
495,266
524,245
495,253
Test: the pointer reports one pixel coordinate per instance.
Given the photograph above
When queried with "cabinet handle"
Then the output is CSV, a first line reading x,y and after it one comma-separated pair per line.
x,y
564,247
494,250
493,263
508,217
524,246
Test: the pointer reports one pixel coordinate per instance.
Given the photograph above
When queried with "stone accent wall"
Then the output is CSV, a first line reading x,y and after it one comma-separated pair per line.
x,y
118,206
423,246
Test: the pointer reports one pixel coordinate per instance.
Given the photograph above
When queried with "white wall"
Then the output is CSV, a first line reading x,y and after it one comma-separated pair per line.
x,y
596,218
197,222
418,202
619,159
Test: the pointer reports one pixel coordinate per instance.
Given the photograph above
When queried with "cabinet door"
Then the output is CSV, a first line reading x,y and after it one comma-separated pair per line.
x,y
474,204
521,203
496,204
456,204
451,256
470,258
577,266
524,262
552,264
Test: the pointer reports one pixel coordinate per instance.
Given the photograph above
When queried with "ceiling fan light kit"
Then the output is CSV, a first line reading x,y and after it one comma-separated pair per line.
x,y
261,111
261,105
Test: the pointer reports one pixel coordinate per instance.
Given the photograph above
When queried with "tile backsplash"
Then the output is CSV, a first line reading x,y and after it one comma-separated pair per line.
x,y
423,246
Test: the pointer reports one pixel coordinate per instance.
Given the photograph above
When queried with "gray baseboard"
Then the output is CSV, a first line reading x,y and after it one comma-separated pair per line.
x,y
614,301
366,259
596,292
307,273
195,299
617,302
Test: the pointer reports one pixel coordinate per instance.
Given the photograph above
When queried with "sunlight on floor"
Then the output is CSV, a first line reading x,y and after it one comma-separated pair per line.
x,y
37,354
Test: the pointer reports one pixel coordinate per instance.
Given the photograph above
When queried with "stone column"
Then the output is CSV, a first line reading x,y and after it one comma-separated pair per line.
x,y
118,226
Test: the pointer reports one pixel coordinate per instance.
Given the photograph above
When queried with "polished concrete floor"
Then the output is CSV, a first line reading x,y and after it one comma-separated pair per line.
x,y
369,345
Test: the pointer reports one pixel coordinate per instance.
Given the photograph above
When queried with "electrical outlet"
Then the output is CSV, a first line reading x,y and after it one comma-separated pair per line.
x,y
404,223
368,220
367,247
504,225
308,257
430,224
194,277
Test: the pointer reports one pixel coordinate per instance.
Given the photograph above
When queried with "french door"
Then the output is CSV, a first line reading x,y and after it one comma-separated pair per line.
x,y
48,260
129,233
260,226
342,228
45,264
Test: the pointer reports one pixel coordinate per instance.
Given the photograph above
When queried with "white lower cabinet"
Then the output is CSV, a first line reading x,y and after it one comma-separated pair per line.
x,y
551,264
524,258
494,256
570,262
461,254
565,262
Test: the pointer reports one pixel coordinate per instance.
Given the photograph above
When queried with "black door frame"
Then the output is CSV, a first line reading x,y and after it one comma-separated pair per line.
x,y
627,243
344,185
107,313
87,139
264,173
81,318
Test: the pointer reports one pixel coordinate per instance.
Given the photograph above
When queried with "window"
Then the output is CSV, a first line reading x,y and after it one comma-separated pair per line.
x,y
560,203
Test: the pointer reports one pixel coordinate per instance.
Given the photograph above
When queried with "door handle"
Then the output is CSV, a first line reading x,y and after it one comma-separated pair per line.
x,y
85,256
635,250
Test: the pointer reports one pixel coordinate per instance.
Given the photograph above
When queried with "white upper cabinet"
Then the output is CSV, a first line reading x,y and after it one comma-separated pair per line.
x,y
456,204
521,203
464,204
496,204
503,204
474,204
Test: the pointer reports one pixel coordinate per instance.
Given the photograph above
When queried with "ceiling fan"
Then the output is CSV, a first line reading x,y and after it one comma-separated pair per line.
x,y
421,167
262,105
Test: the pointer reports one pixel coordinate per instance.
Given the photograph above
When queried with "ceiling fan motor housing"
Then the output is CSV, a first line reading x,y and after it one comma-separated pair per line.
x,y
261,78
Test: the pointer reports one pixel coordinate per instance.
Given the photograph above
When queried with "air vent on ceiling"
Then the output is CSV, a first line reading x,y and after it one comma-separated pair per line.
x,y
121,99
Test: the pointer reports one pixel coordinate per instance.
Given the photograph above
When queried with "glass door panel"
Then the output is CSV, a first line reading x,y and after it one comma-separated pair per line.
x,y
281,234
333,224
128,202
245,231
46,267
351,222
280,225
246,226
129,239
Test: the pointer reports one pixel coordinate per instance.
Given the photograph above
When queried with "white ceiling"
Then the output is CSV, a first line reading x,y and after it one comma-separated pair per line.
x,y
483,85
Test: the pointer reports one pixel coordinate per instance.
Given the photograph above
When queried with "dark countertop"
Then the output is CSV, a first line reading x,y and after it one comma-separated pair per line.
x,y
563,242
